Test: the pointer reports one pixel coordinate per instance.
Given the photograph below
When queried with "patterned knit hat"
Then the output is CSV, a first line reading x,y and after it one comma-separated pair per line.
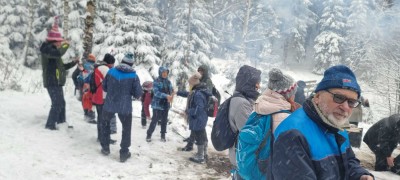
x,y
128,58
54,34
194,79
339,76
281,83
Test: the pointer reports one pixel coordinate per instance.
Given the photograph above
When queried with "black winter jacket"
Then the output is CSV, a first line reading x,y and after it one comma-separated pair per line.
x,y
383,136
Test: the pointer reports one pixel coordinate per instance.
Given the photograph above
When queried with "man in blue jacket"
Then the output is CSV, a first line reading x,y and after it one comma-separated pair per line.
x,y
121,84
310,143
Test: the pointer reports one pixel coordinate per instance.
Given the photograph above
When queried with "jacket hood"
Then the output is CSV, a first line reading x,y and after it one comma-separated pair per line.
x,y
124,68
246,80
270,102
161,70
205,75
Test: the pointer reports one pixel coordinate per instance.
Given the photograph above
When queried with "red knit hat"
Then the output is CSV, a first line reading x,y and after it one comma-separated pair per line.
x,y
54,34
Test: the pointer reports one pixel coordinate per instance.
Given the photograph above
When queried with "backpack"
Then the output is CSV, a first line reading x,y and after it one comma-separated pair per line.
x,y
254,145
92,81
213,106
222,135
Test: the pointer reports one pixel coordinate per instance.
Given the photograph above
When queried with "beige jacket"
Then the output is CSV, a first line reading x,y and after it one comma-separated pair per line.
x,y
270,102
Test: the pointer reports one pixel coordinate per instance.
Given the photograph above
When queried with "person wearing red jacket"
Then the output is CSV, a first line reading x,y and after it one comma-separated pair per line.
x,y
146,101
100,72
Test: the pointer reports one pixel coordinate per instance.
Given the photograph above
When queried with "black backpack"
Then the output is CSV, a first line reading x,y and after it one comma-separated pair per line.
x,y
213,106
222,135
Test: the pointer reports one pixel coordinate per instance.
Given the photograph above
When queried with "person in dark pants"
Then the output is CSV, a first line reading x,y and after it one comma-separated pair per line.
x,y
121,84
163,95
196,112
100,72
54,74
207,82
382,138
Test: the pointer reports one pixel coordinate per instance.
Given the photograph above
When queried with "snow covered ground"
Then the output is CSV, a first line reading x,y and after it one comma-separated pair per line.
x,y
28,151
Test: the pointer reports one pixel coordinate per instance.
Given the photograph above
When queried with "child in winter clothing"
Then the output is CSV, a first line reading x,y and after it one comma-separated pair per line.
x,y
163,95
196,112
87,95
146,100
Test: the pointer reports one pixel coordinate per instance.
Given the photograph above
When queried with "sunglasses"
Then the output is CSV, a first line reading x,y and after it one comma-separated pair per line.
x,y
338,98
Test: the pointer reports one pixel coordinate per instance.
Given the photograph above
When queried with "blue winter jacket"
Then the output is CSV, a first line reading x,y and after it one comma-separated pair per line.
x,y
307,148
162,87
197,107
121,83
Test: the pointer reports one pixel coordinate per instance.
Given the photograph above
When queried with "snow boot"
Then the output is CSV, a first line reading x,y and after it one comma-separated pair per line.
x,y
124,156
148,138
199,156
163,137
105,151
91,117
188,147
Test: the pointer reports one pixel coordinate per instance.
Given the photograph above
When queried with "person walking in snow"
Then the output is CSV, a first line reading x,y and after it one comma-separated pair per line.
x,y
311,138
383,138
197,115
246,92
162,98
54,74
100,72
121,84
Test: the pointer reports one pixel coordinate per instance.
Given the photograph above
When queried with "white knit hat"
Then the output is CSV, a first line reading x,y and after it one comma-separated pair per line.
x,y
281,83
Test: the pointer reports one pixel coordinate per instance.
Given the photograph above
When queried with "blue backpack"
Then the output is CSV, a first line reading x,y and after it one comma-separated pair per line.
x,y
222,135
254,145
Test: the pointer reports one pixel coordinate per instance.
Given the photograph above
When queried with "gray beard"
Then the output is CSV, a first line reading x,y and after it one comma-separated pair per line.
x,y
327,120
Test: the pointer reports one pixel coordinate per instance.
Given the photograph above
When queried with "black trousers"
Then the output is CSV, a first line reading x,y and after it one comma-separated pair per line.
x,y
57,110
126,121
143,116
200,136
158,115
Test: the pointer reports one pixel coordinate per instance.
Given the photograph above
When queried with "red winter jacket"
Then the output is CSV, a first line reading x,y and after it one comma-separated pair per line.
x,y
146,99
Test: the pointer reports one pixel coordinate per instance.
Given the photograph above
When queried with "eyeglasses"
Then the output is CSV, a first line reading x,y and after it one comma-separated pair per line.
x,y
338,98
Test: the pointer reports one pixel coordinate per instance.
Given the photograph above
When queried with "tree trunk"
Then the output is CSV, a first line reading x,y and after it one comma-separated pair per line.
x,y
188,34
246,21
67,10
89,23
28,34
114,13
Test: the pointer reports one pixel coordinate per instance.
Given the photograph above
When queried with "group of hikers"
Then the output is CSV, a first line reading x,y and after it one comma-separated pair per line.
x,y
274,137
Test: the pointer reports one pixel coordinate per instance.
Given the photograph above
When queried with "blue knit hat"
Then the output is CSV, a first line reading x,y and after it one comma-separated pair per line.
x,y
339,76
128,58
